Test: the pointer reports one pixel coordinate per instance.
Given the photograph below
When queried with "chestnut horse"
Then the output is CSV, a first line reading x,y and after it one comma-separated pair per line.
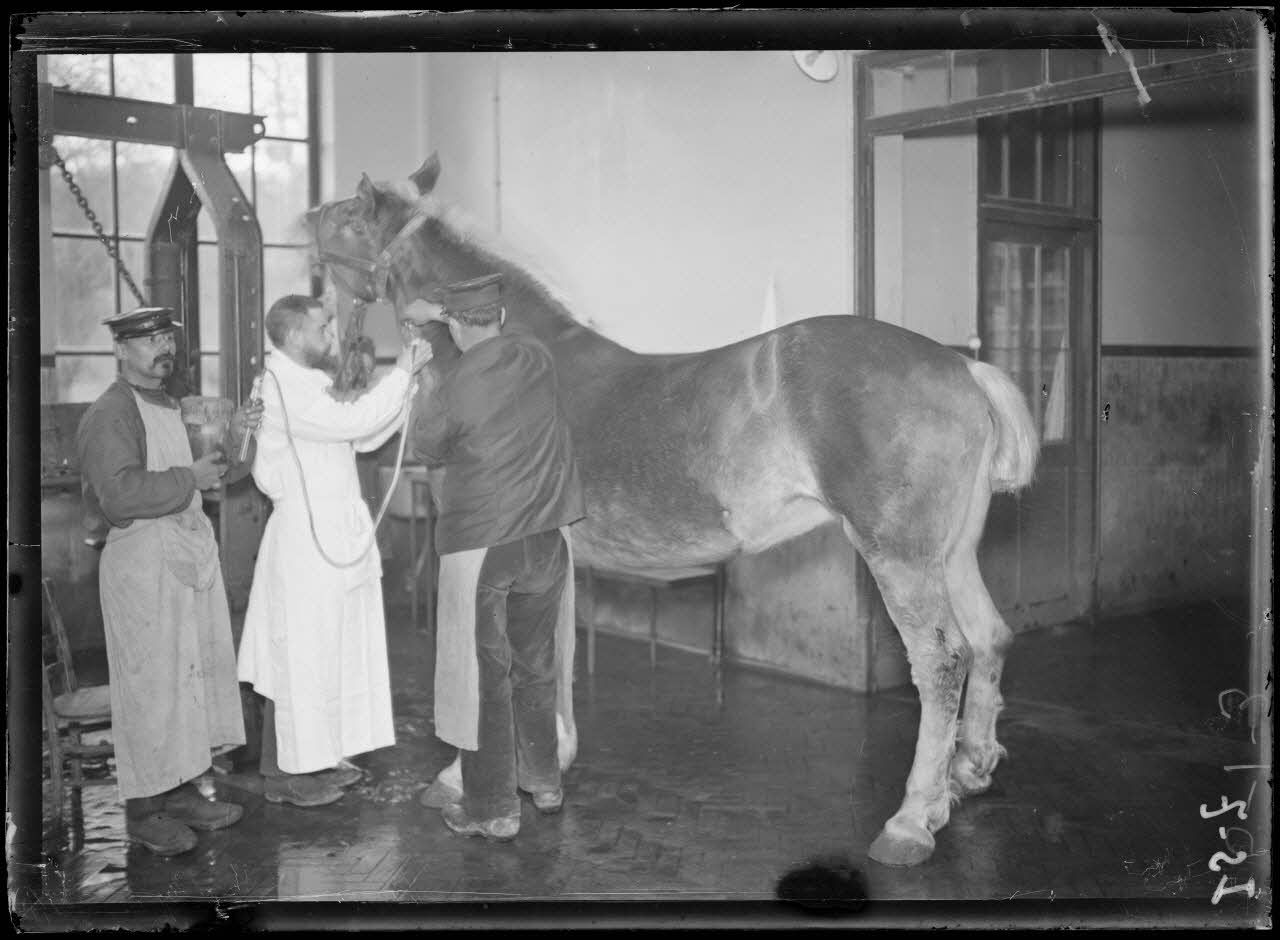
x,y
690,459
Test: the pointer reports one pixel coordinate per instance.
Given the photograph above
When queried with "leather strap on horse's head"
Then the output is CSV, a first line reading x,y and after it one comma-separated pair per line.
x,y
377,270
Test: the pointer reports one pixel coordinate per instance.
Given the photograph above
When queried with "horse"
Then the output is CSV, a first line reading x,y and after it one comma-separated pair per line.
x,y
690,459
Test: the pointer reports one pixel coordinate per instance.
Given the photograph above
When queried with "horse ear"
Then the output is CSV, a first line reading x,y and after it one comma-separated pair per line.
x,y
426,175
367,193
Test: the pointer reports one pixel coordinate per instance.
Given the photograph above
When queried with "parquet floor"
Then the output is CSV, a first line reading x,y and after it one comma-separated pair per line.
x,y
680,801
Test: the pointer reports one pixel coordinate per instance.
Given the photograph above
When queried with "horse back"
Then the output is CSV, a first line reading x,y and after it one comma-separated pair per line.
x,y
692,457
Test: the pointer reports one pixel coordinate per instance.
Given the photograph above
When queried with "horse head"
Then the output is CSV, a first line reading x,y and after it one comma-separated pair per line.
x,y
367,242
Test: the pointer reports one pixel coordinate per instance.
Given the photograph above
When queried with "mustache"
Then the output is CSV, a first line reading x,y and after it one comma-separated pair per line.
x,y
165,357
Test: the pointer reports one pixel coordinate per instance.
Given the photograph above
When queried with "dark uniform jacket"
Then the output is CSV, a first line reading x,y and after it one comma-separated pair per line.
x,y
495,425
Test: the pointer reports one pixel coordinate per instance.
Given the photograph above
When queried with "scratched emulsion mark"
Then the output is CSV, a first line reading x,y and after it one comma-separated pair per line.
x,y
1237,839
829,885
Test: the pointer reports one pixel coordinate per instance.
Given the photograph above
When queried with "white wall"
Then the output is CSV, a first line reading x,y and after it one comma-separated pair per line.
x,y
1178,248
666,188
659,191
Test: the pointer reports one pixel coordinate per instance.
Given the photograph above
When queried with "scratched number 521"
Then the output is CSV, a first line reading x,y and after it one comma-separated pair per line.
x,y
1215,863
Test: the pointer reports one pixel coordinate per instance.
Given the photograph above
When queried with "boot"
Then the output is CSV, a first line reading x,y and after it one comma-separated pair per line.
x,y
346,774
300,790
186,805
147,824
498,829
547,802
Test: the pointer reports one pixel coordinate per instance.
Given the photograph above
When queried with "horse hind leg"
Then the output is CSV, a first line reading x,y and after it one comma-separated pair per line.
x,y
916,597
977,750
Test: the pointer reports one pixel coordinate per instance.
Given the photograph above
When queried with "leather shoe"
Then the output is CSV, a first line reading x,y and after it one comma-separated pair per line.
x,y
190,808
300,790
161,833
498,829
439,795
547,802
344,775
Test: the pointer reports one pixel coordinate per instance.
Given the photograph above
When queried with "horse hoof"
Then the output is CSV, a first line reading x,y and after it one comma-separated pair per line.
x,y
966,780
901,845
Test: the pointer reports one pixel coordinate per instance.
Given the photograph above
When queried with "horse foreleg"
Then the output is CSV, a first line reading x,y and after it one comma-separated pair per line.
x,y
917,599
977,750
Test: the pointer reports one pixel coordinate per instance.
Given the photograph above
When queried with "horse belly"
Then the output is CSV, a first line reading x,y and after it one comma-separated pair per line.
x,y
616,539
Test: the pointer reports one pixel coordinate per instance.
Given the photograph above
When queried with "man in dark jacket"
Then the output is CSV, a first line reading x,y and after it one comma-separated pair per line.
x,y
510,483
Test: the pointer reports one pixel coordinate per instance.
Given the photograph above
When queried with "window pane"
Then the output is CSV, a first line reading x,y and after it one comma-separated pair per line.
x,y
210,375
991,151
209,306
282,182
1026,316
90,164
81,72
83,292
1022,155
149,77
1055,155
221,81
83,378
1072,63
241,167
280,92
285,271
1007,70
142,172
904,86
133,254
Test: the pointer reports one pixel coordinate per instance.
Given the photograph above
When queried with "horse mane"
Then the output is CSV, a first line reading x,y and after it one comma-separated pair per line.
x,y
460,230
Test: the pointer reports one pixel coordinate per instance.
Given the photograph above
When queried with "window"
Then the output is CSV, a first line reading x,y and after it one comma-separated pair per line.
x,y
1026,302
122,184
1035,251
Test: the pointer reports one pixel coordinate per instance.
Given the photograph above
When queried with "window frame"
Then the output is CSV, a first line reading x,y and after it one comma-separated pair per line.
x,y
182,94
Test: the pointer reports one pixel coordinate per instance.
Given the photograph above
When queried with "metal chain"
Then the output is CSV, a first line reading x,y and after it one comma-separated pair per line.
x,y
112,250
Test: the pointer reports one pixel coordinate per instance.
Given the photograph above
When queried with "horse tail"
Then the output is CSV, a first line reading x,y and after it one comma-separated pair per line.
x,y
1017,446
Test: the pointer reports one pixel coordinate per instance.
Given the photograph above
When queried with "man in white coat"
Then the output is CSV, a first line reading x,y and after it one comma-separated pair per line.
x,y
314,640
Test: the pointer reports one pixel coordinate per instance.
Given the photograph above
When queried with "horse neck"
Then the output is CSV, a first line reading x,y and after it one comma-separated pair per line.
x,y
530,303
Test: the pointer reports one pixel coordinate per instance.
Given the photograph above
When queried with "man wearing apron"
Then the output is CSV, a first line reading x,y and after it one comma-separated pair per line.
x,y
510,484
175,700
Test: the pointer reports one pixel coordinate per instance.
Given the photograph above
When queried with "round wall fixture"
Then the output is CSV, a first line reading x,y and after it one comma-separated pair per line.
x,y
819,64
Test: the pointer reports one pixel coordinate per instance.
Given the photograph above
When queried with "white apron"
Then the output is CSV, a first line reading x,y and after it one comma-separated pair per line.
x,y
175,700
457,685
314,639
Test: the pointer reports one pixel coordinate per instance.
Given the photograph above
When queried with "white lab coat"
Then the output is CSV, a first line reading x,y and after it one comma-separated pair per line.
x,y
314,639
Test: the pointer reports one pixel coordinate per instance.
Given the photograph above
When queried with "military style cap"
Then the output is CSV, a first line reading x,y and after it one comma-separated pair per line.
x,y
141,321
462,296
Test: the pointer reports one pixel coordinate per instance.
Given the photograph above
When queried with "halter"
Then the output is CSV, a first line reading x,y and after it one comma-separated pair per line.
x,y
377,271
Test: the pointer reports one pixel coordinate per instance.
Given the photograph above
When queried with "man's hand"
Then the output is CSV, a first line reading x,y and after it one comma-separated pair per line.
x,y
209,470
413,357
245,419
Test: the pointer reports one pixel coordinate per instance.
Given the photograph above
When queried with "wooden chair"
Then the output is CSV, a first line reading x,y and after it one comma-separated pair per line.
x,y
70,711
655,580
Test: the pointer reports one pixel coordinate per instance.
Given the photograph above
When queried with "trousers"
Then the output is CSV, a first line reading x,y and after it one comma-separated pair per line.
x,y
517,604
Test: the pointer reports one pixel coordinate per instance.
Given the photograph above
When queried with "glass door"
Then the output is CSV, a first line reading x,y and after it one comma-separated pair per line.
x,y
1035,323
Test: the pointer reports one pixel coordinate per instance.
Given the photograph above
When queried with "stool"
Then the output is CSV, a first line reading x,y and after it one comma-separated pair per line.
x,y
653,580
